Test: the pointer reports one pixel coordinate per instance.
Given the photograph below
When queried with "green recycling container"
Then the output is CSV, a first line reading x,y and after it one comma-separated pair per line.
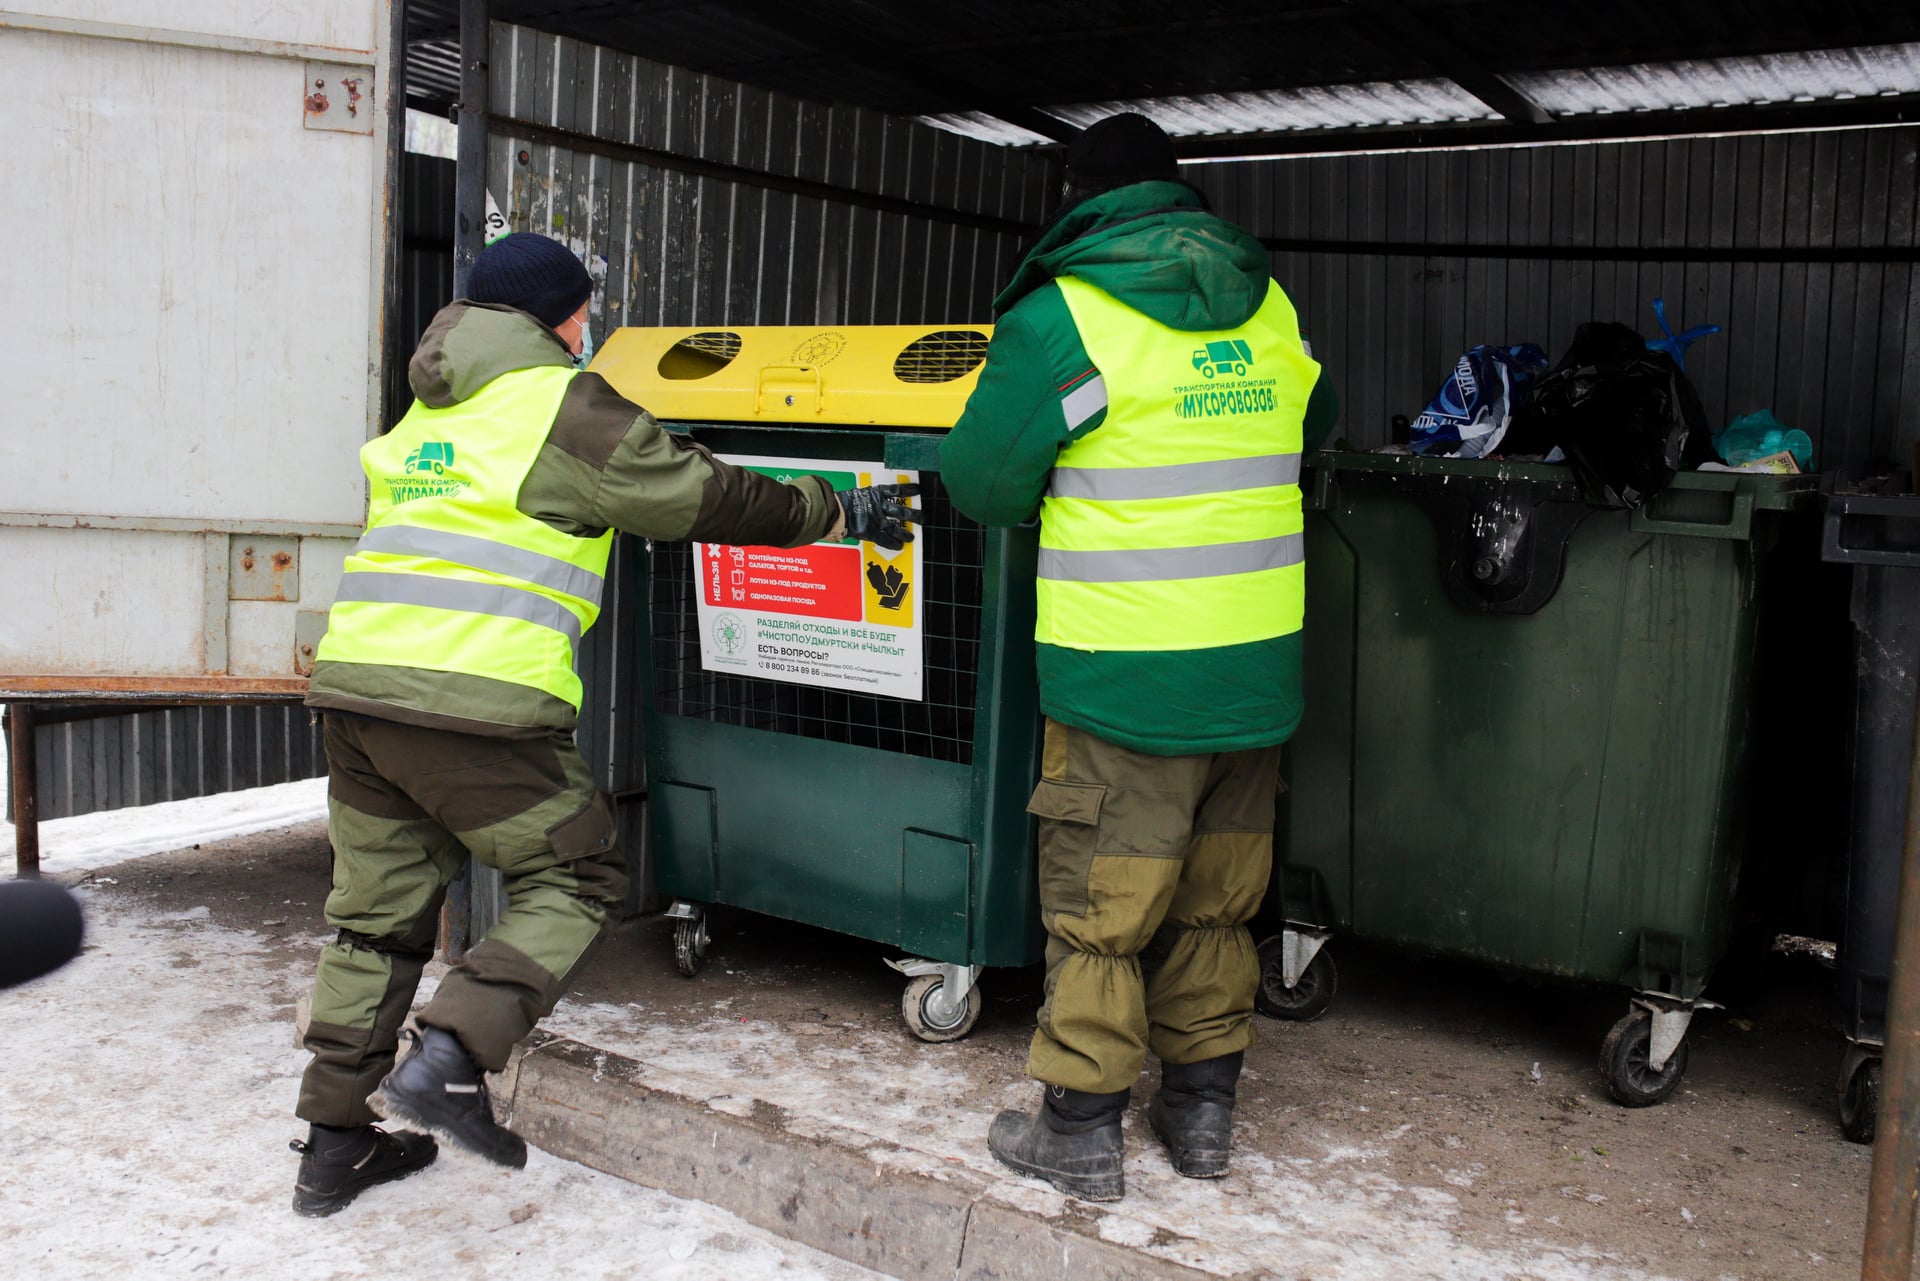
x,y
897,815
1525,725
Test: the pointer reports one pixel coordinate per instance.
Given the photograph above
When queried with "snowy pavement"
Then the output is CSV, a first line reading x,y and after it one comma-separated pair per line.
x,y
145,1112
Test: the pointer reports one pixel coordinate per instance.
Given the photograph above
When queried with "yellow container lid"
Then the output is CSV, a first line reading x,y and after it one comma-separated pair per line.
x,y
862,375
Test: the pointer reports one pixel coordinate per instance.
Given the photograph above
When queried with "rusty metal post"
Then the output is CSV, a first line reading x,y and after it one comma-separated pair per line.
x,y
25,789
470,158
1893,1189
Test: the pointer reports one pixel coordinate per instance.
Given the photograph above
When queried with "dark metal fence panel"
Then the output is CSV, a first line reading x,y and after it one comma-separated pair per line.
x,y
677,244
170,755
1801,245
426,264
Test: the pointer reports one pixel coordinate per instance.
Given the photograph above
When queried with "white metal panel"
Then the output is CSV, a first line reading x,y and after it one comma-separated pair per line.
x,y
342,24
100,602
190,337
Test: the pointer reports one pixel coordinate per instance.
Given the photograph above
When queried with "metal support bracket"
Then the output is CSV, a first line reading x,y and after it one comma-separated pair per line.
x,y
683,910
1671,1018
1298,946
949,1000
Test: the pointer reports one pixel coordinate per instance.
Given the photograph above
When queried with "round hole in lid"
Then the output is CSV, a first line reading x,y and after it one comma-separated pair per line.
x,y
700,355
941,356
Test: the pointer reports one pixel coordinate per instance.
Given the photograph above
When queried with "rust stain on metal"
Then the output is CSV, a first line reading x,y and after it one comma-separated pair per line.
x,y
353,95
317,103
215,687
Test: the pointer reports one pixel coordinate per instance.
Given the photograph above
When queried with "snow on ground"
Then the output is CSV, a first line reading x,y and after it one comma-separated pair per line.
x,y
86,841
145,1110
1333,1213
146,1105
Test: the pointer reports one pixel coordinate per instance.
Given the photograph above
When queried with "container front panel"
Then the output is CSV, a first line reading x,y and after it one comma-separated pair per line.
x,y
811,831
1531,790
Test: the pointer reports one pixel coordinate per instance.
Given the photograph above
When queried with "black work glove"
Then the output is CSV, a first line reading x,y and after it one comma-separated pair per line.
x,y
877,514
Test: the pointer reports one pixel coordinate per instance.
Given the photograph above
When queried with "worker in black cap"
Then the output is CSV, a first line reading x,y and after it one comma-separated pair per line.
x,y
448,684
1148,395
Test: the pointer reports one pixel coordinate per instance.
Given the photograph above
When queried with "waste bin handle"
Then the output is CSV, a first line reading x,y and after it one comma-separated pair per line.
x,y
819,385
1738,525
1833,546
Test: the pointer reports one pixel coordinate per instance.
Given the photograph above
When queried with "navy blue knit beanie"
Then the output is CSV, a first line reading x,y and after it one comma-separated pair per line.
x,y
535,274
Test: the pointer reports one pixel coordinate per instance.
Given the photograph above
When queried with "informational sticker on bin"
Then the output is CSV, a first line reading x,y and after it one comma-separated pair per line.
x,y
843,615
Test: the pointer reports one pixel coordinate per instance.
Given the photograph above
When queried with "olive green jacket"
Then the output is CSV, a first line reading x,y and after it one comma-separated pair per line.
x,y
1156,248
606,464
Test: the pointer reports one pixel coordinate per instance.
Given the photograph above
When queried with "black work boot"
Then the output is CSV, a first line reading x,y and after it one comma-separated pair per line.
x,y
440,1088
337,1164
1192,1113
1072,1143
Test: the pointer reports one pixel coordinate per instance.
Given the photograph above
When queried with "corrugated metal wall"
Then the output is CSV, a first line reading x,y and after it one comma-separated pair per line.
x,y
426,266
171,755
1801,245
679,248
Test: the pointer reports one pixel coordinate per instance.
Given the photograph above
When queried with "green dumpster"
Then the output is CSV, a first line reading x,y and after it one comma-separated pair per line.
x,y
863,767
1525,725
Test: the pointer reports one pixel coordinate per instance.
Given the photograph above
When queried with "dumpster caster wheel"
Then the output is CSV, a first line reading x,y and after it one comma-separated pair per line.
x,y
1304,1001
926,1016
690,944
1860,1102
1624,1062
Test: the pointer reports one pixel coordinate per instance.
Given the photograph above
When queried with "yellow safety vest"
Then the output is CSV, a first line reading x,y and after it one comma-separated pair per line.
x,y
1175,524
450,575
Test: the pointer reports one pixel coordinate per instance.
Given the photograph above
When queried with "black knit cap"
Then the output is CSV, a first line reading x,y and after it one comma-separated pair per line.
x,y
1118,151
535,274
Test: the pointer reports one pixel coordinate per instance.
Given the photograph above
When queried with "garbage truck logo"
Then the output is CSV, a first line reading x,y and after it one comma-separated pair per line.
x,y
434,456
1230,357
729,634
426,474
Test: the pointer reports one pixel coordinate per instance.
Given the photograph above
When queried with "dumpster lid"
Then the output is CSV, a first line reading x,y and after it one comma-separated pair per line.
x,y
1768,492
863,375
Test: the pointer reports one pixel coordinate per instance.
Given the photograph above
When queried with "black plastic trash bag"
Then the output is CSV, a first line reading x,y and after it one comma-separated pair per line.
x,y
1625,416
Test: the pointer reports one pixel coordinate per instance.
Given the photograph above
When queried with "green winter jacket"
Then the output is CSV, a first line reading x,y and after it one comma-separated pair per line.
x,y
605,464
1155,247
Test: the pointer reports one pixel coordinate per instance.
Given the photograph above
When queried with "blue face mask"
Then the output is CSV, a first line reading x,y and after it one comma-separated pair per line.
x,y
586,346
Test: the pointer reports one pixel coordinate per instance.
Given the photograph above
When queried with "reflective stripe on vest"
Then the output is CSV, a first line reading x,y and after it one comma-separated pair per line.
x,y
1175,524
450,574
484,553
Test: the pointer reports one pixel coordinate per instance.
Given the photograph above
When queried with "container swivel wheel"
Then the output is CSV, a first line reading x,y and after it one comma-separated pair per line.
x,y
942,1002
1860,1098
1627,1057
1300,956
690,937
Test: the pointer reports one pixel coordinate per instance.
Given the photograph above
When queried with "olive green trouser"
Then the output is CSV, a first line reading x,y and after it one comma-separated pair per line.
x,y
1150,868
405,808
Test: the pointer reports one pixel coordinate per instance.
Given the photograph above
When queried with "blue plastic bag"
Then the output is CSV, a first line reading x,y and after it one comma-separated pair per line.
x,y
1673,344
1469,414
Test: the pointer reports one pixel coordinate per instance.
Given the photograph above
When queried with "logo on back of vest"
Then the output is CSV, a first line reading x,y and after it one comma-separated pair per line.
x,y
426,477
1228,391
1216,358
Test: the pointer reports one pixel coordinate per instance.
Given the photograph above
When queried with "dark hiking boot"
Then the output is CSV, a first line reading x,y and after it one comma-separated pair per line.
x,y
337,1165
440,1088
1192,1113
1073,1142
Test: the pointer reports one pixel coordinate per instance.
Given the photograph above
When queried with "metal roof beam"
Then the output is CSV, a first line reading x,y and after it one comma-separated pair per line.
x,y
1407,35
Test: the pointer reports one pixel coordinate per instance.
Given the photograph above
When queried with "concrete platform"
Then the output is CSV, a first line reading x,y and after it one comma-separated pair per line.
x,y
1439,1121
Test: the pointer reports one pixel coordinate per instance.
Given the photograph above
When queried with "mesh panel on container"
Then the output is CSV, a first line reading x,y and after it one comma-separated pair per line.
x,y
952,552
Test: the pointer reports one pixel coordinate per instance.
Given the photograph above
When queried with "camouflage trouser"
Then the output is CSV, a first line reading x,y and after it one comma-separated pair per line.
x,y
405,807
1150,868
